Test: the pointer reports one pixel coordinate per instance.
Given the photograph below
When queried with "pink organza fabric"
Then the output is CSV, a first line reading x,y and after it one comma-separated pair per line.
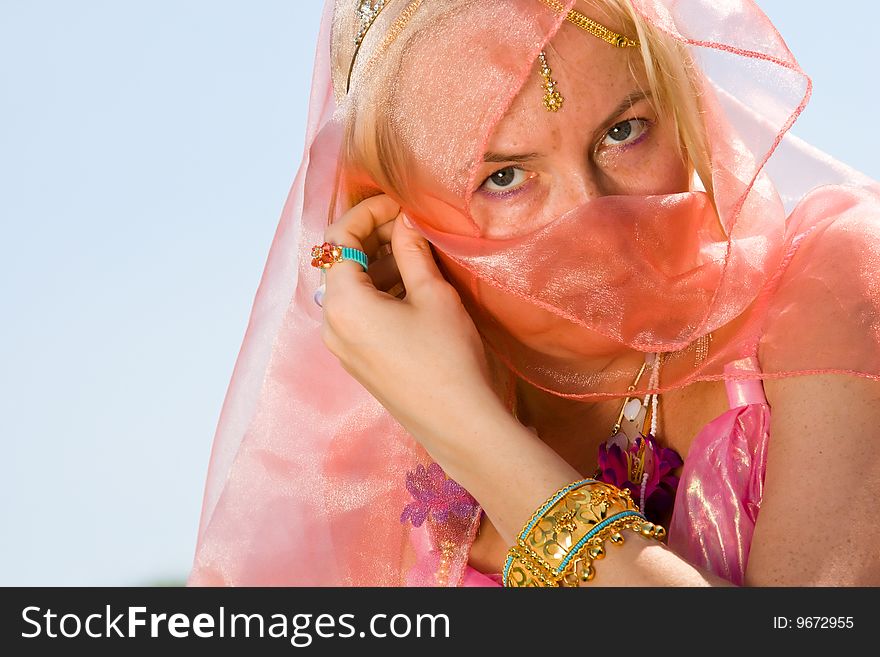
x,y
306,482
722,481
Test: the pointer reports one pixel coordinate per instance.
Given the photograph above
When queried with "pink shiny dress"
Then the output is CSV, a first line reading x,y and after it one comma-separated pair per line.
x,y
721,485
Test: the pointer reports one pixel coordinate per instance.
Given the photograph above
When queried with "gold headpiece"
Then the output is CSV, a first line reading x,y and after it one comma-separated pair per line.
x,y
369,10
552,98
589,25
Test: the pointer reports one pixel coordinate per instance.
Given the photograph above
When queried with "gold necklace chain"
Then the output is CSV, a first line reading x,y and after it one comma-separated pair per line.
x,y
701,345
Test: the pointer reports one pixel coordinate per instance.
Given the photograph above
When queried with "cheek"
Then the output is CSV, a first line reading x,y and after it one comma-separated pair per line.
x,y
522,211
486,304
492,309
539,330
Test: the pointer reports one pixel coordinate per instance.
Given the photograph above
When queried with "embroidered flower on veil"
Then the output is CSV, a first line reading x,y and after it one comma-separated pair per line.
x,y
435,496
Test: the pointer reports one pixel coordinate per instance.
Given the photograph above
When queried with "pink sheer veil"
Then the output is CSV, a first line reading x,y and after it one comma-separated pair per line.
x,y
307,477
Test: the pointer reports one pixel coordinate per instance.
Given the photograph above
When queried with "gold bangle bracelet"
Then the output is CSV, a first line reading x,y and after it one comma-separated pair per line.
x,y
567,533
581,570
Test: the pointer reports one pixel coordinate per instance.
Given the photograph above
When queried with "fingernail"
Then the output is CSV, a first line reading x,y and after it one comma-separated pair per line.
x,y
407,222
319,296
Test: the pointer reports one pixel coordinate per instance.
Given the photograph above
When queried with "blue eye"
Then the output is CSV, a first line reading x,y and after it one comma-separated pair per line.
x,y
504,179
625,132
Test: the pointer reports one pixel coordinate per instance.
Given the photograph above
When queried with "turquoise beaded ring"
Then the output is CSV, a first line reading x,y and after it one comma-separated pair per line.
x,y
326,255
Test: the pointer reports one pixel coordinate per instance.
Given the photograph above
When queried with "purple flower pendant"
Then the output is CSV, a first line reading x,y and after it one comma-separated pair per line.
x,y
626,465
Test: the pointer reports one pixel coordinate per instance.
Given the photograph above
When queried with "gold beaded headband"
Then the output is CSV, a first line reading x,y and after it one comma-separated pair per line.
x,y
369,10
589,25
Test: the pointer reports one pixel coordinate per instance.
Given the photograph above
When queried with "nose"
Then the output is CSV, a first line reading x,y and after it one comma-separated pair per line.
x,y
578,183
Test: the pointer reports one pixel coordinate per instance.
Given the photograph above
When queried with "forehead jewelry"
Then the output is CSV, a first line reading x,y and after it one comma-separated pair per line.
x,y
552,98
367,11
589,25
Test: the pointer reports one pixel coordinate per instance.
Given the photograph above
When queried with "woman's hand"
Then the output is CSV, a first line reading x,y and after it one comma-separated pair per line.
x,y
420,356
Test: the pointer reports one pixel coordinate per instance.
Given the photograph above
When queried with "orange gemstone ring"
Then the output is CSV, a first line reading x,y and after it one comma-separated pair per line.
x,y
326,255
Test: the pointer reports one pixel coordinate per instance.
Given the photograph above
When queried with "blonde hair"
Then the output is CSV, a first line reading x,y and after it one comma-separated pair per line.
x,y
674,84
369,145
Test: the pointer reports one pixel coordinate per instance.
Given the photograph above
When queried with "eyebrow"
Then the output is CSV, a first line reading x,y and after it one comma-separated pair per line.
x,y
630,100
490,156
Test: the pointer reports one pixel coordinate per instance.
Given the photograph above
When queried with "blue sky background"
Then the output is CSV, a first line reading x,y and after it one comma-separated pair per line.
x,y
146,149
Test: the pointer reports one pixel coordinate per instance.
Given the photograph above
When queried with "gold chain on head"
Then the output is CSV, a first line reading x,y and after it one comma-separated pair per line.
x,y
589,25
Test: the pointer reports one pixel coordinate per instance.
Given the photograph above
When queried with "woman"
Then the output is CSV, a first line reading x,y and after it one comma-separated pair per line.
x,y
596,268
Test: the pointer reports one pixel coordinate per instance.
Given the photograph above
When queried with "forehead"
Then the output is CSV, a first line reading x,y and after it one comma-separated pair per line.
x,y
592,76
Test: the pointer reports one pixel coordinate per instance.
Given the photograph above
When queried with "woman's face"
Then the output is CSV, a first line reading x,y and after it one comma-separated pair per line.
x,y
605,140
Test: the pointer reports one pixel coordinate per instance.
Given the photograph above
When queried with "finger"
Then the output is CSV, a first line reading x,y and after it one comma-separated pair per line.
x,y
384,273
378,243
382,266
353,229
415,261
357,226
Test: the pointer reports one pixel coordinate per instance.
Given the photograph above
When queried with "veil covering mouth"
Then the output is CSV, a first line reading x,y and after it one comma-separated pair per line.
x,y
308,473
